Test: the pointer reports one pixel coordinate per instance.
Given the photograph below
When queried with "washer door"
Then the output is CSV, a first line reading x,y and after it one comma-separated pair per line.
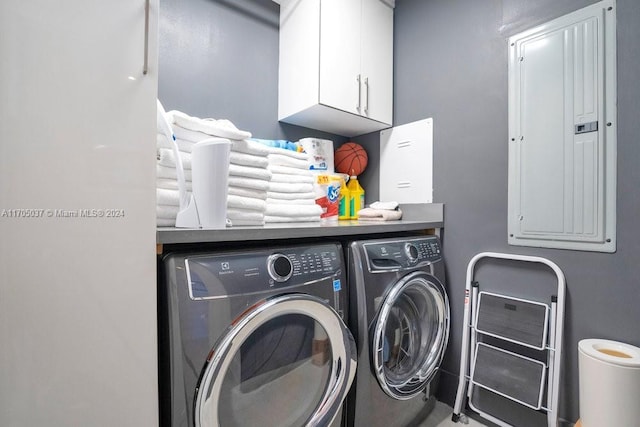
x,y
288,360
410,335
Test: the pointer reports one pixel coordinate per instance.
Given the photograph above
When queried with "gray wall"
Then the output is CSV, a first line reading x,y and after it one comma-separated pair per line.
x,y
219,59
451,64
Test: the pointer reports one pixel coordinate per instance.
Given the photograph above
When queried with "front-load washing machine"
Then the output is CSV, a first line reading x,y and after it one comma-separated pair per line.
x,y
399,314
254,337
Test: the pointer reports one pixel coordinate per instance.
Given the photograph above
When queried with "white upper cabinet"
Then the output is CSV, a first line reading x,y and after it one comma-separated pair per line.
x,y
562,130
336,65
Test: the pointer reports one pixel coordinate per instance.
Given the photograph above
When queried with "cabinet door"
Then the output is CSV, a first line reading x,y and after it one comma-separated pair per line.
x,y
377,60
340,22
77,213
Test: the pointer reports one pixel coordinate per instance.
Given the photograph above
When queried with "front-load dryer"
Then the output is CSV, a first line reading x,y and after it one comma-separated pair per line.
x,y
255,337
399,314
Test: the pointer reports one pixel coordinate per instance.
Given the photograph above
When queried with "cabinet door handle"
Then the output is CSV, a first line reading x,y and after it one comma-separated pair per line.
x,y
366,93
145,66
359,92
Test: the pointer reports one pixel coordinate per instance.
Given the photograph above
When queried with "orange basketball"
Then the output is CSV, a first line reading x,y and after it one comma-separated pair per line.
x,y
350,158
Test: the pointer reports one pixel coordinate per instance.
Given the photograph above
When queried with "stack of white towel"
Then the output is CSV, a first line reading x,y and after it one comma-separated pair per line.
x,y
290,196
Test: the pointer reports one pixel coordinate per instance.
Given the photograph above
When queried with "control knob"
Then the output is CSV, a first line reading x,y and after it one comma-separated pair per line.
x,y
411,252
280,267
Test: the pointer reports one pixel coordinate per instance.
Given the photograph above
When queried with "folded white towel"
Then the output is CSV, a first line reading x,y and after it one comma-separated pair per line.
x,y
249,147
244,159
289,153
167,211
222,128
166,157
245,222
245,203
183,146
384,205
370,214
190,136
161,222
282,160
275,218
285,187
291,202
247,192
167,197
249,172
242,215
167,172
287,170
172,184
256,184
292,210
279,177
291,196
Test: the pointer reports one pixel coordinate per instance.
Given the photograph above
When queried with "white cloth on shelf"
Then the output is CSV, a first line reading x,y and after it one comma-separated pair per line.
x,y
256,184
172,184
221,128
249,147
285,187
384,205
284,160
274,218
244,159
291,210
183,146
167,211
165,222
287,170
291,196
291,202
166,157
278,177
289,153
190,136
247,192
243,217
167,172
246,203
370,214
167,197
249,172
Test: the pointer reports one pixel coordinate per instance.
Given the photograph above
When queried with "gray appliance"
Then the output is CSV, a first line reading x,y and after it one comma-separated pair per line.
x,y
255,337
399,314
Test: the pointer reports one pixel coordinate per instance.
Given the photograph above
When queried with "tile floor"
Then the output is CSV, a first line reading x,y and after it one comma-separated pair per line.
x,y
441,417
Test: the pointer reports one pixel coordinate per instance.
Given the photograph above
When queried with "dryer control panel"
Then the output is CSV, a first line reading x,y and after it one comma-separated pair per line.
x,y
238,273
405,253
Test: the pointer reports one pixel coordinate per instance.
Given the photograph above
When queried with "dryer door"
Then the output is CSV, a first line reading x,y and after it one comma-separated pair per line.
x,y
288,360
410,335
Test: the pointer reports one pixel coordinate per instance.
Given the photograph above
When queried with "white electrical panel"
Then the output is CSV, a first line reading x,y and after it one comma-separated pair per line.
x,y
562,132
406,163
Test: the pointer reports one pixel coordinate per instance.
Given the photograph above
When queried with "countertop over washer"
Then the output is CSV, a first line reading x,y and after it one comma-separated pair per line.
x,y
415,218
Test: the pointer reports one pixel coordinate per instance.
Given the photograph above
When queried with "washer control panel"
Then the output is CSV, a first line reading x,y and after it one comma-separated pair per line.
x,y
236,273
400,254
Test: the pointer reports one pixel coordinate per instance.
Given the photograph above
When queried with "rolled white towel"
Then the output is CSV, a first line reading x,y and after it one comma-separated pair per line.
x,y
249,172
221,128
370,214
162,222
292,210
246,203
190,136
291,196
249,147
167,197
247,192
287,170
283,160
166,157
275,218
167,172
279,177
291,202
183,146
244,159
171,184
285,187
256,184
167,211
236,215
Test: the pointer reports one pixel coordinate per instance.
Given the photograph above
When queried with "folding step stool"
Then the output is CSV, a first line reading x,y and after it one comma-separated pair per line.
x,y
508,319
